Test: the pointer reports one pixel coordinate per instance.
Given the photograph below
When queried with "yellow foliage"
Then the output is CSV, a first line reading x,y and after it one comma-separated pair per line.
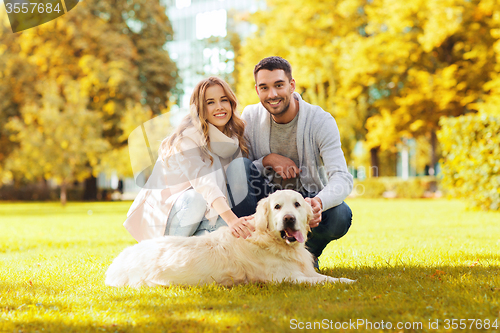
x,y
471,163
66,86
381,126
61,149
384,68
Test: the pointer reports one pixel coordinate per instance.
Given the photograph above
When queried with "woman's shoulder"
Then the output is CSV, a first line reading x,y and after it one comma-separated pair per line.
x,y
191,132
191,137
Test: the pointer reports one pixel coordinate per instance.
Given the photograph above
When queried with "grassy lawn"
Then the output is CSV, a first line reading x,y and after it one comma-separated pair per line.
x,y
417,262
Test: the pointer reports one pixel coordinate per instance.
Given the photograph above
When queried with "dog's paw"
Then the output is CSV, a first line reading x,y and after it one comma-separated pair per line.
x,y
330,279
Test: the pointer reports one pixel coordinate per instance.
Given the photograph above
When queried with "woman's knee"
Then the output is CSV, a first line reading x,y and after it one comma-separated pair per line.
x,y
194,198
190,200
186,214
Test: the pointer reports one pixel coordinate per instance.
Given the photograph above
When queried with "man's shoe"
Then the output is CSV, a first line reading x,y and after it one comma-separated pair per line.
x,y
316,262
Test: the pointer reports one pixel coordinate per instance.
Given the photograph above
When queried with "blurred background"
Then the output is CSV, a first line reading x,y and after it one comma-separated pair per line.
x,y
414,87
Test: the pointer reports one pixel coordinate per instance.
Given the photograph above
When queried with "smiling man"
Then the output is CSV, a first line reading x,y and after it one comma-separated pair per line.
x,y
295,145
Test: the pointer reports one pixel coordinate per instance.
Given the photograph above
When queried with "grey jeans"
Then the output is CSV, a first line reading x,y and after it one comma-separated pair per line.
x,y
187,217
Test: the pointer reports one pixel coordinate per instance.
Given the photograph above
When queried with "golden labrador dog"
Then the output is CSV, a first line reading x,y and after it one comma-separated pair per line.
x,y
275,252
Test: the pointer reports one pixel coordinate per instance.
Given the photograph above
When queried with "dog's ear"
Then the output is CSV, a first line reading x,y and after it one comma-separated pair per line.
x,y
262,215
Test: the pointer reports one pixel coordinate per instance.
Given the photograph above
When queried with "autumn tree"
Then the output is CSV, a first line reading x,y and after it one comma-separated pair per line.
x,y
437,56
312,36
113,52
386,70
53,144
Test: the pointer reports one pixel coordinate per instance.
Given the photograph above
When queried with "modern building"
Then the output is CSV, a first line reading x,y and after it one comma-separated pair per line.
x,y
202,40
204,32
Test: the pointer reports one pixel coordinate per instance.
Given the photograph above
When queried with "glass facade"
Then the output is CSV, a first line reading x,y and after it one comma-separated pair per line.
x,y
201,45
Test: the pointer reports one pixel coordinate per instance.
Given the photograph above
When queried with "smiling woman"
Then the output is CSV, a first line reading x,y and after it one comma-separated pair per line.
x,y
219,109
200,176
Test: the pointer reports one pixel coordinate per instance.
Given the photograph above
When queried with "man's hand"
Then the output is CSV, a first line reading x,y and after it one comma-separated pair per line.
x,y
282,165
317,207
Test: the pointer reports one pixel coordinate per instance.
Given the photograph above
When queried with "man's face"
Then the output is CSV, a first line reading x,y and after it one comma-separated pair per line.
x,y
274,90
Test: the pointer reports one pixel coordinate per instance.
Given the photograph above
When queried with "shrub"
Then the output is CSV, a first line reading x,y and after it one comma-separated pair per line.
x,y
409,189
412,189
471,158
370,188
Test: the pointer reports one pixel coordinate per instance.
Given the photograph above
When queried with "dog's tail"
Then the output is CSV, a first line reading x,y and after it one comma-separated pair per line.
x,y
116,275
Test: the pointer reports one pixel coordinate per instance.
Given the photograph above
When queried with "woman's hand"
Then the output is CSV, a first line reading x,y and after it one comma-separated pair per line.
x,y
241,227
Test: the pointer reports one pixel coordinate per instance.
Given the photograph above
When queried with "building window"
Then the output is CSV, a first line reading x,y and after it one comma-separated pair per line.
x,y
211,23
182,3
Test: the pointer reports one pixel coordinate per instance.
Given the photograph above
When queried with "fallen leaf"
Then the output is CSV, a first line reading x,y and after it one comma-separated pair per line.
x,y
437,273
475,263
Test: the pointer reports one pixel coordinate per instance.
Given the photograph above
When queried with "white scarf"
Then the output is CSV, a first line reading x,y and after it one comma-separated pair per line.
x,y
221,144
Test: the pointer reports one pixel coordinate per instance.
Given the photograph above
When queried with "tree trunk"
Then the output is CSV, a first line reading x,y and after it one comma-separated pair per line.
x,y
63,194
45,190
432,169
374,162
90,191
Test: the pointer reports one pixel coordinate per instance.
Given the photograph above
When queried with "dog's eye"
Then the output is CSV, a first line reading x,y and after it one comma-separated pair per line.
x,y
297,204
277,206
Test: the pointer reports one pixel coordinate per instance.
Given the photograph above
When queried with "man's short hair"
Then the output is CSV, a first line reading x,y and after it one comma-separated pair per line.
x,y
272,63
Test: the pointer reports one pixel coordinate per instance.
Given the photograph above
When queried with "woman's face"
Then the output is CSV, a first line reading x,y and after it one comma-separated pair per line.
x,y
217,106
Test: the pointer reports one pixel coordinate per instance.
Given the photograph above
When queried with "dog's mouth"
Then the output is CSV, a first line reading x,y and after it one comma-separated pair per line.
x,y
292,236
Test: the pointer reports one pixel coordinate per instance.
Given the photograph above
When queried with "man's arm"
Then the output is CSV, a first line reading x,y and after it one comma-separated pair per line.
x,y
286,168
249,116
340,181
245,115
282,165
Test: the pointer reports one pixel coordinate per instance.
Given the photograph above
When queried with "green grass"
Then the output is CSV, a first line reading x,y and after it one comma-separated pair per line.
x,y
415,261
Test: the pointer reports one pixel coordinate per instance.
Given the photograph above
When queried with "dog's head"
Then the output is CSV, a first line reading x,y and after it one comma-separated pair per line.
x,y
286,214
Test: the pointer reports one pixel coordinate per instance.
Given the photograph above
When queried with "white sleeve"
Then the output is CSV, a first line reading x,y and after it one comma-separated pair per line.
x,y
340,181
198,170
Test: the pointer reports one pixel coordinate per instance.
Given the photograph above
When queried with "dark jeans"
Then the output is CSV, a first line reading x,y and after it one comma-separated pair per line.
x,y
244,197
335,222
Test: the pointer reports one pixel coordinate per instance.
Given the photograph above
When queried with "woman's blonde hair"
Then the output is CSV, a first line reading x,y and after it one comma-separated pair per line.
x,y
197,118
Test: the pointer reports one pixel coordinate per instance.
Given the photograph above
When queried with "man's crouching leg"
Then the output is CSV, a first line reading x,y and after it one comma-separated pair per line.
x,y
335,223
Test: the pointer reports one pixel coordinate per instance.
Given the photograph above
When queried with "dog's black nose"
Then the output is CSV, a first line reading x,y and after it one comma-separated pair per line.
x,y
289,220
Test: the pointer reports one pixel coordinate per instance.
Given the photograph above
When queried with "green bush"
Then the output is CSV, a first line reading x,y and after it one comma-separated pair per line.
x,y
412,189
409,189
369,188
471,159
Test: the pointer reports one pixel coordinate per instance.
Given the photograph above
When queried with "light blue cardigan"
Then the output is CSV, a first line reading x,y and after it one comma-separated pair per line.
x,y
324,169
